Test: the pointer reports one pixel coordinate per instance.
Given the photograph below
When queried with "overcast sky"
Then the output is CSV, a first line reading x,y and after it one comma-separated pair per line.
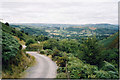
x,y
59,11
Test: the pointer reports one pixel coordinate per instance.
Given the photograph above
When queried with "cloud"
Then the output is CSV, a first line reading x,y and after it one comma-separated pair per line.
x,y
59,1
59,11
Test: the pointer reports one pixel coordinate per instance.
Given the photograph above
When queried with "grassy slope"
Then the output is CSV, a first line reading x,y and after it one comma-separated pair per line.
x,y
25,59
17,71
15,32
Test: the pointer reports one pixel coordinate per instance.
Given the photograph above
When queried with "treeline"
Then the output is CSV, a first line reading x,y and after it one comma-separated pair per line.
x,y
33,31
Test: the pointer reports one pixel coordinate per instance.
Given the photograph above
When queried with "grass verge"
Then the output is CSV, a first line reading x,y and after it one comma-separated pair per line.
x,y
16,71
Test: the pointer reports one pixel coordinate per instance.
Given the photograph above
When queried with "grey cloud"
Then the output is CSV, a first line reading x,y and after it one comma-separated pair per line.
x,y
60,12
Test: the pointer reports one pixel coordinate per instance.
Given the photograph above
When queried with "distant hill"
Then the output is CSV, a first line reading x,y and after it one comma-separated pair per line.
x,y
68,30
44,26
67,25
109,26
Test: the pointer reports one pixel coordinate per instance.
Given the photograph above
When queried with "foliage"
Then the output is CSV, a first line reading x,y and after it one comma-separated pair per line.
x,y
15,32
51,44
76,58
30,41
16,71
49,52
111,42
14,61
61,75
41,38
110,55
7,23
42,52
80,70
108,71
83,58
61,69
34,31
34,47
90,51
69,46
10,48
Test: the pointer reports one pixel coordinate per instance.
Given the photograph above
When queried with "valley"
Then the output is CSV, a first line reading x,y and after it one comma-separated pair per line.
x,y
61,31
78,51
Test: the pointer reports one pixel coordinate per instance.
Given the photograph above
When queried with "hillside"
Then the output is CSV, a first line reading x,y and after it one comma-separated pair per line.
x,y
13,31
70,31
14,59
76,58
111,42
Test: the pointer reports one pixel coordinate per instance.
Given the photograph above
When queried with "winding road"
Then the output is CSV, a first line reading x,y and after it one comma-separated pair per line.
x,y
43,68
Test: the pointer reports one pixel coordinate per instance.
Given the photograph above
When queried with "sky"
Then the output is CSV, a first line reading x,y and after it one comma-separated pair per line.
x,y
59,11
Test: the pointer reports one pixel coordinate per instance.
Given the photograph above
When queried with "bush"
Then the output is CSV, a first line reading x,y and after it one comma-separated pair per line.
x,y
61,69
80,70
50,44
102,74
11,48
42,52
34,47
7,23
111,56
49,52
62,75
30,41
61,61
90,51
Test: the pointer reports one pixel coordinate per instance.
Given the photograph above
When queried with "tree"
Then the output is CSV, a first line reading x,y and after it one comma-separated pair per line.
x,y
22,31
90,51
26,33
41,38
7,23
30,41
51,44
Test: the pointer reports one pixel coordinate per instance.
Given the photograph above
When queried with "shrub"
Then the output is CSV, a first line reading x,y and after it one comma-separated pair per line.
x,y
7,23
10,48
62,75
30,41
50,44
80,70
42,52
61,69
49,52
90,51
34,47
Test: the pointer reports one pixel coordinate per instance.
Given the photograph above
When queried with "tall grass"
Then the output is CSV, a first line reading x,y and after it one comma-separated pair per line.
x,y
16,71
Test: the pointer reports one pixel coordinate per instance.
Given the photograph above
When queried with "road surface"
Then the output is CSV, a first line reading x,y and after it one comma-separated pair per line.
x,y
44,67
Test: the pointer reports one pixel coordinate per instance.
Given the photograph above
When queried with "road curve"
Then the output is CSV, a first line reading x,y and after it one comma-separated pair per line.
x,y
44,67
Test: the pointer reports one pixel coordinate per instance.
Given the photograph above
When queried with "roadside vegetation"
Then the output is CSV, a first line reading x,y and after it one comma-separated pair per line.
x,y
14,59
85,58
82,59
